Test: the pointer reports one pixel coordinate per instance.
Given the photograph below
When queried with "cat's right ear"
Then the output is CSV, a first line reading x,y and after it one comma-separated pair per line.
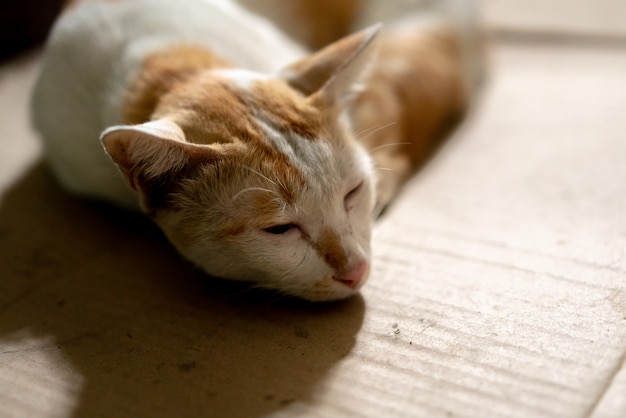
x,y
335,71
152,157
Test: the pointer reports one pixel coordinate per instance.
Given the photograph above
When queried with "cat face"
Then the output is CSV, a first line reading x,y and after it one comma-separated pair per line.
x,y
259,178
294,217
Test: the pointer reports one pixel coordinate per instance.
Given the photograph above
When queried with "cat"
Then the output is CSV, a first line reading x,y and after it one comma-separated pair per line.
x,y
431,60
246,149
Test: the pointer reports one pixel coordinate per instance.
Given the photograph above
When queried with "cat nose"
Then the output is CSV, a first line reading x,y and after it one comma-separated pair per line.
x,y
353,277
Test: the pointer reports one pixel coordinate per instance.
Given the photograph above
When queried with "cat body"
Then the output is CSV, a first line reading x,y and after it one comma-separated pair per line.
x,y
430,62
238,144
97,50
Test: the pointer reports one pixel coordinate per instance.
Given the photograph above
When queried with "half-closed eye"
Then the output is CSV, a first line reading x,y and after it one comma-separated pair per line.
x,y
351,196
280,229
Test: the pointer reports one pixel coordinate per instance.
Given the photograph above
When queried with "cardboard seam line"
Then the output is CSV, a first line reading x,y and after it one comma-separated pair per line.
x,y
621,365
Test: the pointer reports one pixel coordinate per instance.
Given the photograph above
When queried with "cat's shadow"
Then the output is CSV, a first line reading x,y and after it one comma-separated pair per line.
x,y
148,334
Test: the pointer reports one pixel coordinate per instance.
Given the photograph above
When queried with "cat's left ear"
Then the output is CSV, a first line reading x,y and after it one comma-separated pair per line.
x,y
336,70
153,156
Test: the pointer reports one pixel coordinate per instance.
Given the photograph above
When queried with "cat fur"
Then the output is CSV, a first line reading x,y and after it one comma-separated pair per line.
x,y
237,142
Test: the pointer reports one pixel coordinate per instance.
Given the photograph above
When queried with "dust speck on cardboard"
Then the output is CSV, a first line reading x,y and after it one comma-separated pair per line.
x,y
186,367
300,332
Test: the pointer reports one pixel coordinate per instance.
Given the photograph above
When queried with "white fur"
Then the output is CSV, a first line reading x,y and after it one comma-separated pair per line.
x,y
95,50
240,77
278,139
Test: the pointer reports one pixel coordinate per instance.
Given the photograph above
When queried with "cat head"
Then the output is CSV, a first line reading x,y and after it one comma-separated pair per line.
x,y
259,177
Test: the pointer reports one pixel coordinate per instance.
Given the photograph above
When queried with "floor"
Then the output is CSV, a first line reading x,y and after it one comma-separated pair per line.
x,y
498,288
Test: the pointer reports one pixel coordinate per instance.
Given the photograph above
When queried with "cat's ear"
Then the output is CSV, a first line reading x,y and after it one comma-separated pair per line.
x,y
336,70
152,156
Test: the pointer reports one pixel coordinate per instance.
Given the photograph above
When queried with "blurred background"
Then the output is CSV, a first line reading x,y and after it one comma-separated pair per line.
x,y
25,23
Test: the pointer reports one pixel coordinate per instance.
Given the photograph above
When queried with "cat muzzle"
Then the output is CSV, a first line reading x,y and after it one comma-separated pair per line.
x,y
353,277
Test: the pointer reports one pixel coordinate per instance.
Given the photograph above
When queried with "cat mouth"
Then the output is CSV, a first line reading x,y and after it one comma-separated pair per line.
x,y
339,286
336,293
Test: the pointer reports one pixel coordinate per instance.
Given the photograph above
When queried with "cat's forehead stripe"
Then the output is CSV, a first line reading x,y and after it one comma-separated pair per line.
x,y
257,115
216,104
241,78
288,110
273,98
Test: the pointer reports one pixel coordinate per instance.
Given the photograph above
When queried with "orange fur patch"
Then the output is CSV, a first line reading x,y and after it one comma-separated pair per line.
x,y
210,109
289,111
328,247
251,209
162,71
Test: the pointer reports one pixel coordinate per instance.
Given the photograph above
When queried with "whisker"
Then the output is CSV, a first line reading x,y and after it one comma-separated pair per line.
x,y
249,189
277,294
274,298
371,131
260,175
384,168
296,266
389,145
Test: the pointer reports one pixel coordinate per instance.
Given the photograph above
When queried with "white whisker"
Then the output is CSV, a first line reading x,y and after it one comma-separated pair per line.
x,y
289,271
389,145
275,297
272,297
261,175
371,131
249,189
280,291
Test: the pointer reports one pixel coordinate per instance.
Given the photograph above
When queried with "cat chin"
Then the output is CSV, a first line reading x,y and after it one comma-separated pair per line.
x,y
333,291
327,290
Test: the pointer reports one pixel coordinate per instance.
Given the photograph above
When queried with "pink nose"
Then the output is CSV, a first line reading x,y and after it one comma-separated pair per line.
x,y
353,277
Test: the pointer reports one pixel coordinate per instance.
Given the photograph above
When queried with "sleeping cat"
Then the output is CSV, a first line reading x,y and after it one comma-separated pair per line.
x,y
242,147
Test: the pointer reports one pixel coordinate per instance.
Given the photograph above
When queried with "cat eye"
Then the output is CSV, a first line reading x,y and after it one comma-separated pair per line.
x,y
280,229
351,194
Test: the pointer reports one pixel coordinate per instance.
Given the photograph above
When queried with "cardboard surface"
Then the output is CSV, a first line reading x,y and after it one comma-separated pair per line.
x,y
498,287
